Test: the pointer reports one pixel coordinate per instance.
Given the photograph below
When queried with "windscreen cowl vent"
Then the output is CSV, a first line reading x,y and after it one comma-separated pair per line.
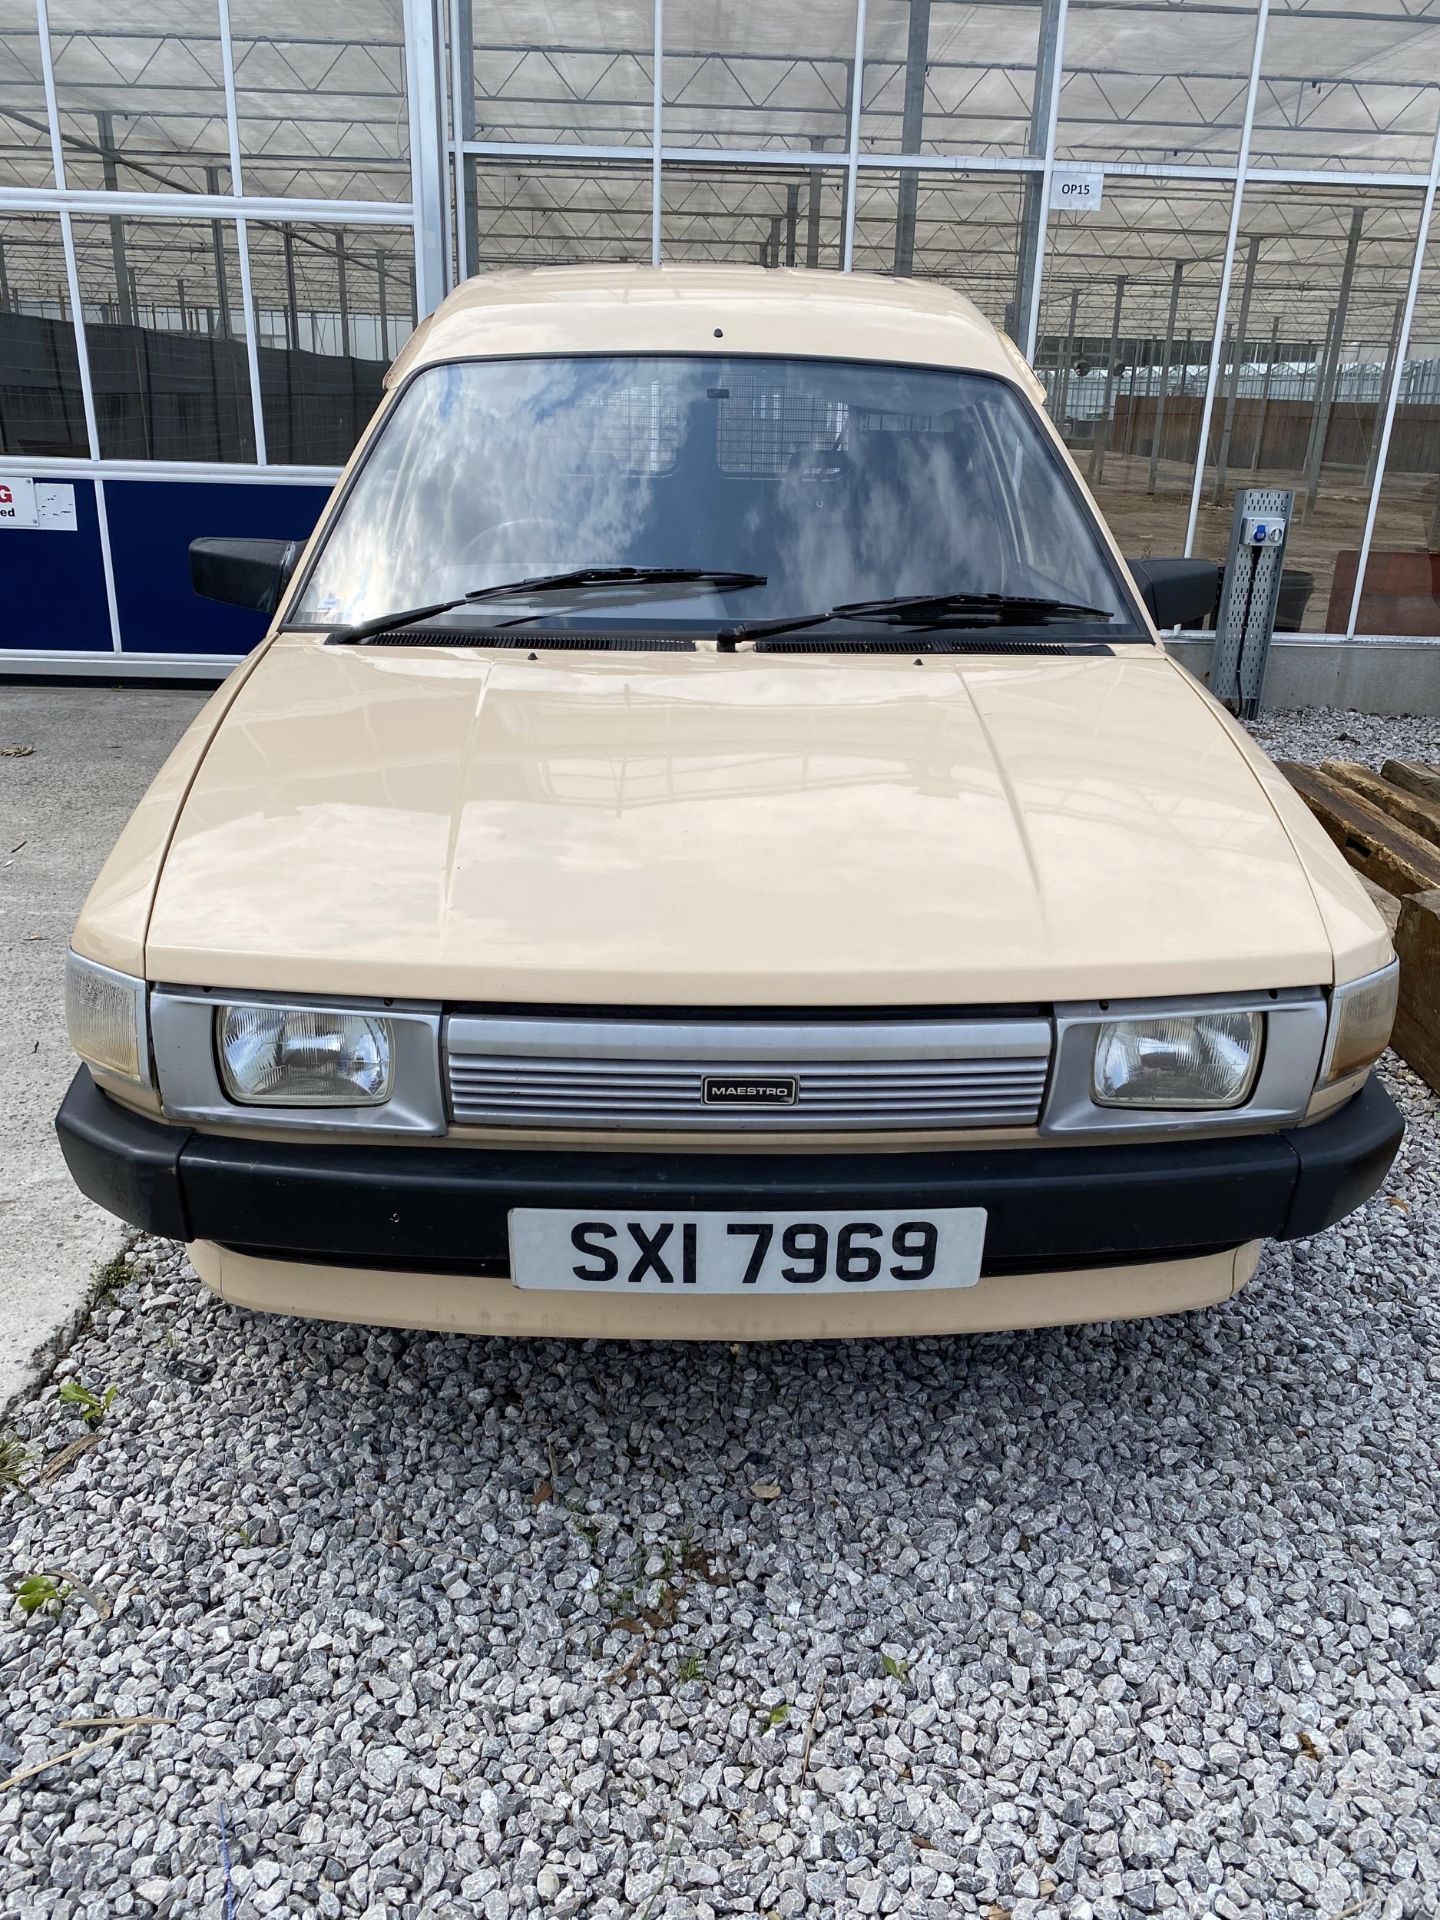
x,y
525,641
922,642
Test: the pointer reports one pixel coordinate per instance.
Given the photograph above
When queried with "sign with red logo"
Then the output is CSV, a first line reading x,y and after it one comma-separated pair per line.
x,y
18,506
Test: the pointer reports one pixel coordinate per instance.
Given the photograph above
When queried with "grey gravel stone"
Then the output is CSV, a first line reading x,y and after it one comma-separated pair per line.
x,y
1159,1604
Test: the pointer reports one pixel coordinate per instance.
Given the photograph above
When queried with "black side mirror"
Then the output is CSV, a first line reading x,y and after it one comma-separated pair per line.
x,y
243,573
1178,593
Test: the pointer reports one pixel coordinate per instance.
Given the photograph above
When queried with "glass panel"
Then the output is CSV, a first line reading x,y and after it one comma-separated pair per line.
x,y
1128,397
547,213
957,227
320,98
769,218
41,410
1402,581
1347,84
1154,83
947,79
564,72
831,482
1298,404
166,333
333,306
758,78
141,95
24,128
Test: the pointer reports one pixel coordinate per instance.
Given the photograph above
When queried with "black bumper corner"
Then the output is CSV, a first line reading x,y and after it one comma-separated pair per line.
x,y
439,1208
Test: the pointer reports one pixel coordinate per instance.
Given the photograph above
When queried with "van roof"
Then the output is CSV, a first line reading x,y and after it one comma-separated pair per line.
x,y
688,308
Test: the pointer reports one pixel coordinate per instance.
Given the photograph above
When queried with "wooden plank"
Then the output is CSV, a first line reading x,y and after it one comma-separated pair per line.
x,y
1420,777
1421,816
1386,903
1417,1019
1374,844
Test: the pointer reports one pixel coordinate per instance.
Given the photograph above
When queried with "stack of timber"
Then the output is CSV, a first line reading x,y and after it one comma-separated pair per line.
x,y
1387,825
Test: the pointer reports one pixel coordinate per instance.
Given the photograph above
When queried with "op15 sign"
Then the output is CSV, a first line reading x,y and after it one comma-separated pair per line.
x,y
1077,189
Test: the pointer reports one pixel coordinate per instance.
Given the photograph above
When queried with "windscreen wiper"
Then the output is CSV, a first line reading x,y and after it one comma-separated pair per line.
x,y
928,610
544,583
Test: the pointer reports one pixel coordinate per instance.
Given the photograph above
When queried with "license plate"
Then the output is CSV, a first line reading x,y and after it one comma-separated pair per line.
x,y
850,1252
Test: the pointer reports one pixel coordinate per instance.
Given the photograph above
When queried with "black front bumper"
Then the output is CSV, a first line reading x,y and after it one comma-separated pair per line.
x,y
443,1209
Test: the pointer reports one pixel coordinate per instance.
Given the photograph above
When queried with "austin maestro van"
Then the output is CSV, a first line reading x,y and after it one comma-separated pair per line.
x,y
712,845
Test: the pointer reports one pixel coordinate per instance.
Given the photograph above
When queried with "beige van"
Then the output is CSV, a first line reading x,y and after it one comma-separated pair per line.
x,y
712,846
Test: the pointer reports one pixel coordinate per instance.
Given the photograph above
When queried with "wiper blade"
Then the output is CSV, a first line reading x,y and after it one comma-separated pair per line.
x,y
544,583
920,610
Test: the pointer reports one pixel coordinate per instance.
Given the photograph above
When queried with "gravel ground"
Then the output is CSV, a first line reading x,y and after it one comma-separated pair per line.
x,y
1091,1623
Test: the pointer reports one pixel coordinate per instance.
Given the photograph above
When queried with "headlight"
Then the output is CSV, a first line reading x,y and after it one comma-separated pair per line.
x,y
1176,1061
1361,1016
304,1056
105,1013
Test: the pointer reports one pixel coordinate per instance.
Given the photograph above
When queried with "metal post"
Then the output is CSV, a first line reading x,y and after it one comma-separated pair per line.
x,y
217,246
853,103
462,55
1135,364
1067,367
1158,425
1232,231
110,174
912,134
777,224
342,292
180,298
1386,377
425,110
384,315
1233,389
1326,399
1102,429
812,220
1035,196
4,281
657,136
792,222
1265,395
1322,360
1402,349
292,307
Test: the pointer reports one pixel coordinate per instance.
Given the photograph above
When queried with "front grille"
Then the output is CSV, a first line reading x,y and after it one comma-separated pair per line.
x,y
640,1074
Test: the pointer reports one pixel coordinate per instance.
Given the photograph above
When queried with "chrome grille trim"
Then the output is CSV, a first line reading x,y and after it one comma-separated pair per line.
x,y
856,1074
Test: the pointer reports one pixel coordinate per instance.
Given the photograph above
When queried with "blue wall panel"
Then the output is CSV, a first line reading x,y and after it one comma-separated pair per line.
x,y
152,523
52,585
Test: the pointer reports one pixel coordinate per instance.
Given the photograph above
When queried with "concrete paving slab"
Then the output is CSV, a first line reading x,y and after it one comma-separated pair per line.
x,y
95,750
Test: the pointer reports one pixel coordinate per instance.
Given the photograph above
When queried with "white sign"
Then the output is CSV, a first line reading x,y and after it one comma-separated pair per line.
x,y
17,503
55,506
1077,189
46,505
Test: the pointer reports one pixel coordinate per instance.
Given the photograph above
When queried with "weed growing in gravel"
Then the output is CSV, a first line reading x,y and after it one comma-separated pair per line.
x,y
777,1716
14,1460
895,1669
110,1277
692,1667
93,1406
40,1593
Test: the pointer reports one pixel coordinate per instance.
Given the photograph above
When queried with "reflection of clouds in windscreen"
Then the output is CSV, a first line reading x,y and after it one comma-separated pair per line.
x,y
838,482
887,515
532,467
